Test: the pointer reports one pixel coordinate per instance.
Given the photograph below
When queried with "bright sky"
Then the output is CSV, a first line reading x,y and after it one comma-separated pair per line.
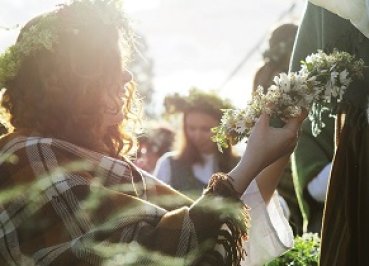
x,y
192,42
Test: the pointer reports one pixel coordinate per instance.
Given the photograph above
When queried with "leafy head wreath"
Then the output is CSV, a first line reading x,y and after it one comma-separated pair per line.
x,y
44,33
196,100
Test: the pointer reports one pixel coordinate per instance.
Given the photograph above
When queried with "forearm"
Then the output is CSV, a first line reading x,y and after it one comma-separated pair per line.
x,y
269,178
245,171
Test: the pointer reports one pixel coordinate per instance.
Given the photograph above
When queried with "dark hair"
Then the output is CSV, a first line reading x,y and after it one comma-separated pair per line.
x,y
59,93
281,42
277,55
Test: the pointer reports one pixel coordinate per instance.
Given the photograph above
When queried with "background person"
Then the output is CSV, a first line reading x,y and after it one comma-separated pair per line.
x,y
152,144
276,60
346,217
190,166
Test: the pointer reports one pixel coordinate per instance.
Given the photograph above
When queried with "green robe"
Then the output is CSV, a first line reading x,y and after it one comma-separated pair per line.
x,y
345,224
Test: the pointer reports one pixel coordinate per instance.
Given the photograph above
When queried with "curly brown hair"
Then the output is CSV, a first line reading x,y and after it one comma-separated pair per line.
x,y
59,93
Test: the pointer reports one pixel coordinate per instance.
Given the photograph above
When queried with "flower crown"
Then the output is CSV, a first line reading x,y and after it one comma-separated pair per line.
x,y
43,34
198,100
322,80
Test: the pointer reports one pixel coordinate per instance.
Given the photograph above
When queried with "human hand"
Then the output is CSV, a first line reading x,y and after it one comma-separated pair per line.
x,y
265,145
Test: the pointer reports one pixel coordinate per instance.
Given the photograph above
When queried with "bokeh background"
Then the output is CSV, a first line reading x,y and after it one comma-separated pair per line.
x,y
210,44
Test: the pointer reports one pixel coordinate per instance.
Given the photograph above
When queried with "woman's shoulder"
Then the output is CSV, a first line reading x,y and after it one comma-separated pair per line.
x,y
33,149
24,159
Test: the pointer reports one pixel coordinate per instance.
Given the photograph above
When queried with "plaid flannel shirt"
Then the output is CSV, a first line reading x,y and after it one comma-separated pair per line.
x,y
61,204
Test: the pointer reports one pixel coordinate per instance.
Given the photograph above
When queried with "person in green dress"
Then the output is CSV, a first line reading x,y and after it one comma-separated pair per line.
x,y
346,216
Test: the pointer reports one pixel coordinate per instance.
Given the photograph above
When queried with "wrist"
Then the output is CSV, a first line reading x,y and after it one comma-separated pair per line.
x,y
242,175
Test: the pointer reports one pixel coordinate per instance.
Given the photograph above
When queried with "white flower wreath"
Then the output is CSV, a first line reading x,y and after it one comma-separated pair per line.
x,y
322,79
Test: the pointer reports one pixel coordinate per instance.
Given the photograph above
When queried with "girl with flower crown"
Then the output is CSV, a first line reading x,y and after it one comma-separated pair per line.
x,y
189,168
70,194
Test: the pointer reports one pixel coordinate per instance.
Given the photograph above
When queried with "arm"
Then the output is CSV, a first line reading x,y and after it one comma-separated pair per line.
x,y
270,234
269,178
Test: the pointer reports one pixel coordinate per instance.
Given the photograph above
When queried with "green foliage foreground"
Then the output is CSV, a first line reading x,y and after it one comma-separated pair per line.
x,y
305,252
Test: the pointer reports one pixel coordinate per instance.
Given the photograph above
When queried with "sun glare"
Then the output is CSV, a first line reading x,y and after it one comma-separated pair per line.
x,y
138,5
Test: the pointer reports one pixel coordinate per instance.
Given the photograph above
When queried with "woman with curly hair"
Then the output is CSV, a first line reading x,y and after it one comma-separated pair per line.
x,y
70,194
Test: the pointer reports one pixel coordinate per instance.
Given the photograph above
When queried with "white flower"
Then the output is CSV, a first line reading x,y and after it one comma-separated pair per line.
x,y
321,79
240,127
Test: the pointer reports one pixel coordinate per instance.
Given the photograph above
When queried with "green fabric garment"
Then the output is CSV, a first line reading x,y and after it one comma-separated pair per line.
x,y
319,29
346,215
311,155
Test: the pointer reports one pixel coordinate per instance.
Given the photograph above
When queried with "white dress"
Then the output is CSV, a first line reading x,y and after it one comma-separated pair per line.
x,y
270,233
355,10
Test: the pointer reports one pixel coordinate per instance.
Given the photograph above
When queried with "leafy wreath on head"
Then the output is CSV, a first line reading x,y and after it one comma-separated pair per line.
x,y
44,35
199,100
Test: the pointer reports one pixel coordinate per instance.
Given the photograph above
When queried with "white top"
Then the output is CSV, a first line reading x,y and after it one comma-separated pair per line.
x,y
270,233
355,10
202,172
318,186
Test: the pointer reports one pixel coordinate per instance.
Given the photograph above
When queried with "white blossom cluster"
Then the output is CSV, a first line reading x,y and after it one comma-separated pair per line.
x,y
322,79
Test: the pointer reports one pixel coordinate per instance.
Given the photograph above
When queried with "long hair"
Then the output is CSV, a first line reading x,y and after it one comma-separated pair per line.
x,y
189,154
59,93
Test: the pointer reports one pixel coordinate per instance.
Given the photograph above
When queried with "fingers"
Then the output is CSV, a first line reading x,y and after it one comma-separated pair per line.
x,y
295,122
264,119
